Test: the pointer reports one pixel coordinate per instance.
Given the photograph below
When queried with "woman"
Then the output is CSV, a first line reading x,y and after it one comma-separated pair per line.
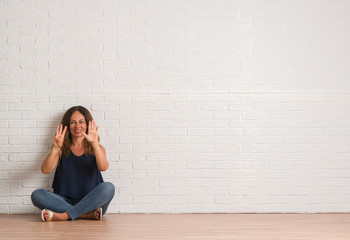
x,y
79,189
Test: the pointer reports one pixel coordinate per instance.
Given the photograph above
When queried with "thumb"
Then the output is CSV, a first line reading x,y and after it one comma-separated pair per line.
x,y
84,134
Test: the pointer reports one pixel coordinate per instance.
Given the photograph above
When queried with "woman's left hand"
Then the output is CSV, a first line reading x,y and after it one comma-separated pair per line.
x,y
92,135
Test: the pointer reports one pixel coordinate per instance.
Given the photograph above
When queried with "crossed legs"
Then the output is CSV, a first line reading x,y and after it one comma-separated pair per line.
x,y
64,208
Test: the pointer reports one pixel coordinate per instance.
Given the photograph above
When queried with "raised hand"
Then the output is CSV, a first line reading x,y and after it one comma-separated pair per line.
x,y
58,139
92,135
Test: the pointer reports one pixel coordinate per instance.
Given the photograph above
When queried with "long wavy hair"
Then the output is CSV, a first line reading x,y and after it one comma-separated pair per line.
x,y
67,141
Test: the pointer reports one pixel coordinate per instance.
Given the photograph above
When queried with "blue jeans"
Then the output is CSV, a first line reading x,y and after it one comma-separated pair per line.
x,y
100,196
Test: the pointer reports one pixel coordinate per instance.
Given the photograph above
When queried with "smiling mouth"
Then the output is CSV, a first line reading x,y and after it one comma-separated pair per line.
x,y
77,131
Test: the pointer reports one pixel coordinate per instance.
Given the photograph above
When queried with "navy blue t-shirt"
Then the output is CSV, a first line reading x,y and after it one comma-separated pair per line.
x,y
76,176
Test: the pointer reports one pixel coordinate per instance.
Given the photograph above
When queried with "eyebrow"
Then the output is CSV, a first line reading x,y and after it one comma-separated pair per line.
x,y
75,121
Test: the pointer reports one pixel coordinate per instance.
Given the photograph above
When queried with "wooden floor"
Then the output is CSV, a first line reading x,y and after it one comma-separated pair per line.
x,y
182,226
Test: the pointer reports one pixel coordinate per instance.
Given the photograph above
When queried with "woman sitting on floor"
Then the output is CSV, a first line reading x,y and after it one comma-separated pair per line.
x,y
78,187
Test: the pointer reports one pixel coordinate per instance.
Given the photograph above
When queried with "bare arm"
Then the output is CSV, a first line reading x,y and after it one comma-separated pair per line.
x,y
99,151
53,157
100,155
51,160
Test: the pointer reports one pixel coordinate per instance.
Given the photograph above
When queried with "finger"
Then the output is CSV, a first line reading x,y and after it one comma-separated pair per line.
x,y
93,124
56,130
64,130
60,129
84,134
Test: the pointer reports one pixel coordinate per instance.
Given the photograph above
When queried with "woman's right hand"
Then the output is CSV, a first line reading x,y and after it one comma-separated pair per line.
x,y
53,157
59,137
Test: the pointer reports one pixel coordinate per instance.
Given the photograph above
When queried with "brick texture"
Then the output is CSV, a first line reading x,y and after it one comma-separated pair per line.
x,y
204,106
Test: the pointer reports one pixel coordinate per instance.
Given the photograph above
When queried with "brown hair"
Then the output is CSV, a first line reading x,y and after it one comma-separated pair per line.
x,y
67,141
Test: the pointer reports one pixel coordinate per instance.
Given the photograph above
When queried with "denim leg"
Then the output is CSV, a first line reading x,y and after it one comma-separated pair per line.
x,y
100,196
43,198
105,207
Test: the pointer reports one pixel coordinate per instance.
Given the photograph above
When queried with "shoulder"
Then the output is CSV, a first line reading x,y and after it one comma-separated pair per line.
x,y
101,148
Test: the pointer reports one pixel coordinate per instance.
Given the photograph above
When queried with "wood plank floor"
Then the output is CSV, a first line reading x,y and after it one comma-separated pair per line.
x,y
182,226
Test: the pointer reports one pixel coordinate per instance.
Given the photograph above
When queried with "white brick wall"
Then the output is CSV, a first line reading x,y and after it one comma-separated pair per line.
x,y
204,106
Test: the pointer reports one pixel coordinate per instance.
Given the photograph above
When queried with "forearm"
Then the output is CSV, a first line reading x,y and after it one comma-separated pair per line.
x,y
100,156
51,160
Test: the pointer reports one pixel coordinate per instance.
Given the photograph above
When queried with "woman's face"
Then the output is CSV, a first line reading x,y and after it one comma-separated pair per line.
x,y
77,125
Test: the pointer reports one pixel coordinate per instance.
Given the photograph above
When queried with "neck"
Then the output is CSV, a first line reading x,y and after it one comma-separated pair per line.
x,y
77,142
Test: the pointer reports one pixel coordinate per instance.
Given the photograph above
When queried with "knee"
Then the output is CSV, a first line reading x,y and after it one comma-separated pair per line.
x,y
36,195
109,188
